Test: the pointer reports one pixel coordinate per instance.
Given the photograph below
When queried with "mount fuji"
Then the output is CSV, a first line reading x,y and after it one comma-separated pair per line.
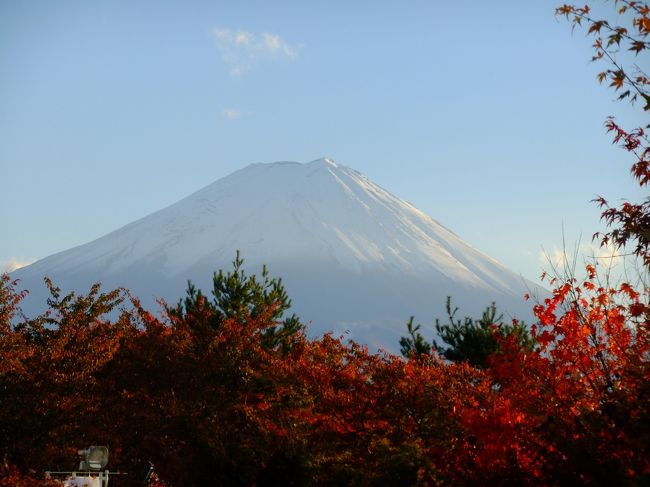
x,y
354,258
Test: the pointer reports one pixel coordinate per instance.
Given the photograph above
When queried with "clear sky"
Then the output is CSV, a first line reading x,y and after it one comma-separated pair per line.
x,y
485,115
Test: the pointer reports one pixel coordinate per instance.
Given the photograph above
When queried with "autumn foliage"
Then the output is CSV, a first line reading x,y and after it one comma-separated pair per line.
x,y
216,394
630,222
214,404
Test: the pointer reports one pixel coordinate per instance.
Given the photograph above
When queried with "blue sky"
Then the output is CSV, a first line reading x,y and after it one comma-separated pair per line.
x,y
485,115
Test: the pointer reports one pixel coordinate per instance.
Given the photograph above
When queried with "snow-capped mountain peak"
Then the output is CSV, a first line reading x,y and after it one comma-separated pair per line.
x,y
351,254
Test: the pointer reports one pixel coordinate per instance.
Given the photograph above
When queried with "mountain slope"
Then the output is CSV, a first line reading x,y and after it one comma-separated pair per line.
x,y
352,255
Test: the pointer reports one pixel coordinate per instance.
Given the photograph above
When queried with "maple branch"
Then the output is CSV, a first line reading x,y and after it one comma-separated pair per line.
x,y
620,69
580,13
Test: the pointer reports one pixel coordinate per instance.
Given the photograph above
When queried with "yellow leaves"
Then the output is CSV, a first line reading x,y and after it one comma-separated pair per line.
x,y
565,10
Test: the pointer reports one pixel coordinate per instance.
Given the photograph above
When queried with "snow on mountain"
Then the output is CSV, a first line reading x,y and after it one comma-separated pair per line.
x,y
354,258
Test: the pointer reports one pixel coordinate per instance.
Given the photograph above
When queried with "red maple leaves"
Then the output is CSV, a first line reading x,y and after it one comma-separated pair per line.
x,y
177,391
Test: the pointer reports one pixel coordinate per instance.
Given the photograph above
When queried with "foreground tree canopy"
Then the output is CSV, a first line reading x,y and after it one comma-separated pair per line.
x,y
225,390
211,401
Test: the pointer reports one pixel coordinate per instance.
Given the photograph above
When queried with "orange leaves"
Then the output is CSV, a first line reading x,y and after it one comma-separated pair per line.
x,y
643,23
602,299
617,79
565,10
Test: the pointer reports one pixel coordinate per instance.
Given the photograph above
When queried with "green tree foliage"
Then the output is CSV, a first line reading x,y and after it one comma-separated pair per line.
x,y
242,297
468,340
415,342
475,340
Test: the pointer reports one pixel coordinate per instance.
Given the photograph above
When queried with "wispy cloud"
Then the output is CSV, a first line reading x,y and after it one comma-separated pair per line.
x,y
555,257
231,113
564,260
13,263
241,50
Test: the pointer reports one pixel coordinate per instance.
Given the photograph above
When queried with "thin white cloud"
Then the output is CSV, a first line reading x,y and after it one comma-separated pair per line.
x,y
563,261
241,50
13,263
231,113
557,258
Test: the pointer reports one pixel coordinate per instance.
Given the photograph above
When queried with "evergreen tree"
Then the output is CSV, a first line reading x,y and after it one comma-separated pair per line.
x,y
415,342
475,340
238,296
467,340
